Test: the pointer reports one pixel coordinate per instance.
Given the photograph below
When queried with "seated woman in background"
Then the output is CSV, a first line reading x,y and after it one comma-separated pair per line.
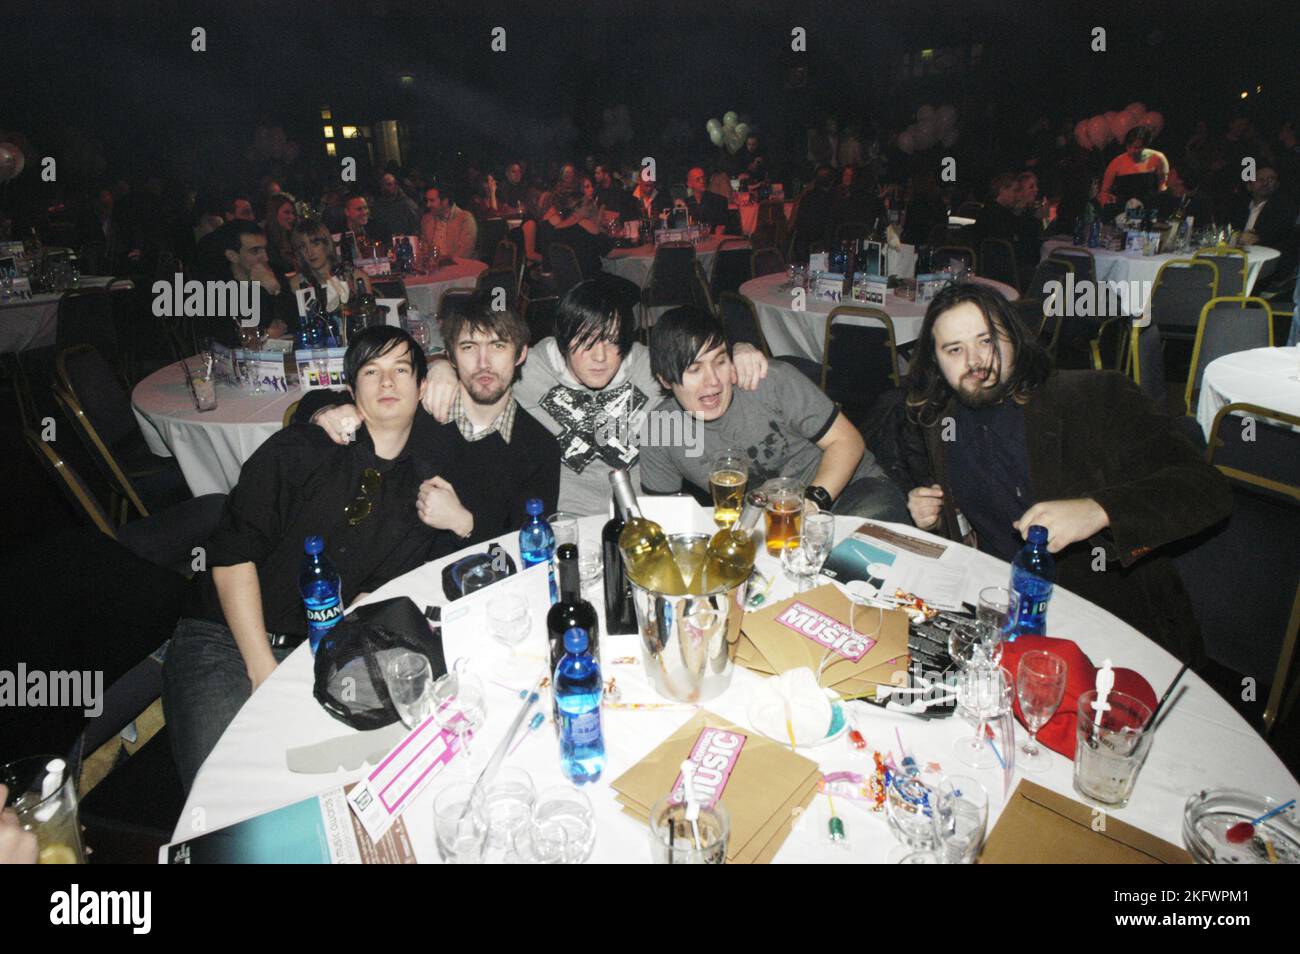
x,y
1136,173
318,268
579,225
278,222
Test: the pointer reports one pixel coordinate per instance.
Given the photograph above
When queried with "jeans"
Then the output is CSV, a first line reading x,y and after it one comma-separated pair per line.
x,y
875,497
205,684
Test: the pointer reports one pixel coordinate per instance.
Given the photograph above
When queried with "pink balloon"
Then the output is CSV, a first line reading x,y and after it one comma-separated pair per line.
x,y
1121,124
905,142
1137,109
1081,134
1154,121
1097,131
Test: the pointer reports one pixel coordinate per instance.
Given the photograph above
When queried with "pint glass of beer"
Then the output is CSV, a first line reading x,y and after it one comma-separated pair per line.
x,y
728,479
784,510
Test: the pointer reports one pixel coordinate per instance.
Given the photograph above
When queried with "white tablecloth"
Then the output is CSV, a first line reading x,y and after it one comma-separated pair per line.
x,y
634,263
424,292
803,333
211,446
1203,743
33,322
1142,269
1269,377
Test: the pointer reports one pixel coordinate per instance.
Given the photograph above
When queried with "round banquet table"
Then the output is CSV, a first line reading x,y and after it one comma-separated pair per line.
x,y
634,263
1203,743
27,323
1268,377
1136,267
803,333
424,292
211,446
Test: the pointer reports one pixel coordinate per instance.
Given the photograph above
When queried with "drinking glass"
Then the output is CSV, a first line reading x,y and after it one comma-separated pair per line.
x,y
565,527
784,510
1110,749
204,383
568,808
960,816
907,810
508,804
43,794
972,645
509,620
1040,685
536,844
591,564
673,837
409,678
984,693
460,706
320,363
994,608
804,555
728,479
460,822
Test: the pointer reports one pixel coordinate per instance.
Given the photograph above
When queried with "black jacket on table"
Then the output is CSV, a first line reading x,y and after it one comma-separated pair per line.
x,y
1094,434
493,480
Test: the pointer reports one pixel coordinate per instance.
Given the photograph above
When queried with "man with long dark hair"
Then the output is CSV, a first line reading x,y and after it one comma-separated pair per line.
x,y
1009,443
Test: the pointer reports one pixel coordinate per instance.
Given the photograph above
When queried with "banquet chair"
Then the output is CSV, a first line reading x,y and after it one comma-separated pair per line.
x,y
503,278
766,235
1227,325
1083,261
388,287
452,299
100,411
1147,363
702,295
289,412
1181,289
673,280
740,318
945,254
506,256
84,318
859,362
490,233
766,261
969,209
1255,632
730,266
1045,272
565,269
998,261
1233,266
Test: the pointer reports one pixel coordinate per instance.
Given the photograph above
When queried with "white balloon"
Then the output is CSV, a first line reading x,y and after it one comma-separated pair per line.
x,y
742,130
715,136
729,119
713,125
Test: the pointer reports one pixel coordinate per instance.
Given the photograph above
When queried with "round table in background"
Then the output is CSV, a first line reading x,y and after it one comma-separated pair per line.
x,y
634,263
1267,377
424,292
210,446
802,334
1135,267
1202,744
28,323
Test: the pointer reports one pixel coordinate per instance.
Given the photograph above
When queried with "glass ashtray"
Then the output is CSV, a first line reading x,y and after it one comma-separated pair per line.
x,y
1210,814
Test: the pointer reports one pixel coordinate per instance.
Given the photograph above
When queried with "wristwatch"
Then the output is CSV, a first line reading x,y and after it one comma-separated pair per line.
x,y
820,497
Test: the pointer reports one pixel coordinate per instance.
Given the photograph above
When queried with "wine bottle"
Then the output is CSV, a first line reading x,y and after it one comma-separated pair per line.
x,y
620,611
570,609
730,557
644,544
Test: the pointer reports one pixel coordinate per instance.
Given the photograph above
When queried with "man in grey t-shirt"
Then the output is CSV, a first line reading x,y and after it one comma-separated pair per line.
x,y
784,428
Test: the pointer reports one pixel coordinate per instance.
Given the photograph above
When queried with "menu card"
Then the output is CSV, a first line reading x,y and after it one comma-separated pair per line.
x,y
765,789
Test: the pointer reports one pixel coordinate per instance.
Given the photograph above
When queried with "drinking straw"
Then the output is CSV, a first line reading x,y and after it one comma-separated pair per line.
x,y
1165,698
692,806
1105,682
789,724
498,756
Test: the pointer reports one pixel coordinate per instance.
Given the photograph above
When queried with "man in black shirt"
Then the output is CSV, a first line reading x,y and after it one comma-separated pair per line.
x,y
499,455
247,614
707,208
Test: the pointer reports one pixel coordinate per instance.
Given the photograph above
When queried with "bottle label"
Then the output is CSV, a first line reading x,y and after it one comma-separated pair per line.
x,y
583,728
325,615
715,754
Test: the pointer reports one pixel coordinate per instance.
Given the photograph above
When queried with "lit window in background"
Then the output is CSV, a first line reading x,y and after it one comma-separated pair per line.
x,y
927,54
406,80
329,132
326,114
330,149
349,132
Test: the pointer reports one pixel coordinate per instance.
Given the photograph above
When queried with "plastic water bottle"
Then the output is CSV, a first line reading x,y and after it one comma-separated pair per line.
x,y
578,689
537,542
322,591
1033,575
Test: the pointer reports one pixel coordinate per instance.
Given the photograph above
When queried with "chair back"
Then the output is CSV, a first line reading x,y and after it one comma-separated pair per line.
x,y
1183,286
969,209
730,267
1147,362
85,318
859,361
766,261
70,483
1227,325
490,233
741,320
565,270
503,278
289,412
998,261
452,299
388,288
506,255
105,460
945,255
1046,272
84,373
1085,264
672,276
1233,266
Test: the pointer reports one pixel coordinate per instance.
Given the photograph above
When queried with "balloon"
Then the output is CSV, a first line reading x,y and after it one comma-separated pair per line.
x,y
742,131
11,161
733,142
905,142
729,119
1081,134
946,116
950,138
925,114
715,136
713,126
1120,125
1097,132
1136,109
1154,122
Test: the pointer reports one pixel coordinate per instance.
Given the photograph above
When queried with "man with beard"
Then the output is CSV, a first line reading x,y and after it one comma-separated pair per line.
x,y
1010,443
493,452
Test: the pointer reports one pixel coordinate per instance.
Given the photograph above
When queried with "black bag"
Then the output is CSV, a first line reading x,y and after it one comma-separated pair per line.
x,y
476,571
350,660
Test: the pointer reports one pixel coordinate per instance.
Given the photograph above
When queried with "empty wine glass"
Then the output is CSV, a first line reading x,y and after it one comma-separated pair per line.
x,y
1040,685
959,812
460,822
409,678
804,555
907,811
973,645
984,693
569,809
460,706
509,620
508,803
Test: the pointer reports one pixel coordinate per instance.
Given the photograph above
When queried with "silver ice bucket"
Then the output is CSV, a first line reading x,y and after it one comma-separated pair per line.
x,y
688,643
